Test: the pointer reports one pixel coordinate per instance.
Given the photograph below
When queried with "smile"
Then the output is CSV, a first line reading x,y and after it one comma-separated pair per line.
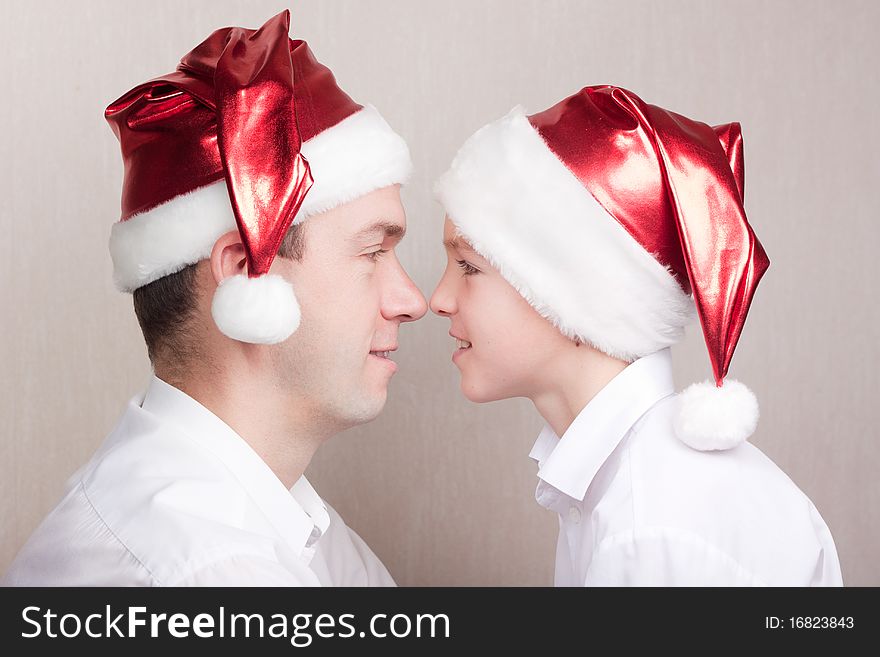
x,y
383,356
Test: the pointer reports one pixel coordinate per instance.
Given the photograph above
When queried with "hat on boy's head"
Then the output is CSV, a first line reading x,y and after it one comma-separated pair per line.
x,y
617,220
250,132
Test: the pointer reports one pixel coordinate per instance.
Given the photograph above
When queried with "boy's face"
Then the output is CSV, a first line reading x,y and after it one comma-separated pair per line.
x,y
512,348
354,294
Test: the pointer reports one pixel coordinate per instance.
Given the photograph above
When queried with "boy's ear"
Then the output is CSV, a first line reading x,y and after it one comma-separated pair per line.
x,y
228,257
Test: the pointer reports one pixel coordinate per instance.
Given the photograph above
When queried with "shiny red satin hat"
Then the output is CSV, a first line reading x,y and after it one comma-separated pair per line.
x,y
249,132
619,221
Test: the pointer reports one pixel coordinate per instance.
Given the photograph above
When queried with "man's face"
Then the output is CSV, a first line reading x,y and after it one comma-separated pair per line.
x,y
353,294
509,348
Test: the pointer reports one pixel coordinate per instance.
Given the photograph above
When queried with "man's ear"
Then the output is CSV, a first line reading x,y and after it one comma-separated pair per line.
x,y
259,310
228,257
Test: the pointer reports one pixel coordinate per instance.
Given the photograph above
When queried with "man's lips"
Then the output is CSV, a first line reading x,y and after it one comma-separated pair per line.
x,y
384,350
381,356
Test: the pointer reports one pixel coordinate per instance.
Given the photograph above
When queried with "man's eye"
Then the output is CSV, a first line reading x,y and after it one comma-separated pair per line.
x,y
467,267
375,255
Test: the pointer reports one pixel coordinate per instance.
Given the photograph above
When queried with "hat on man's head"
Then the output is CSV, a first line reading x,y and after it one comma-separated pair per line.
x,y
619,221
250,132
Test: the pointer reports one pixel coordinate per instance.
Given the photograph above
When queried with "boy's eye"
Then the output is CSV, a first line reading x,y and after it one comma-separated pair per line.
x,y
375,255
467,267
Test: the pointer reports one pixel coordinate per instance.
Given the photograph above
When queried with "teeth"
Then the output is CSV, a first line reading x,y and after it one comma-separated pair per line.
x,y
380,354
462,344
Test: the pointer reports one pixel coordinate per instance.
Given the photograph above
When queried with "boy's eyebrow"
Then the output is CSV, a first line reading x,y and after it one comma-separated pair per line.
x,y
389,228
455,243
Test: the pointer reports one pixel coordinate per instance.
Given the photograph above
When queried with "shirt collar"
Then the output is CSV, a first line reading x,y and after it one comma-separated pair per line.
x,y
570,463
298,514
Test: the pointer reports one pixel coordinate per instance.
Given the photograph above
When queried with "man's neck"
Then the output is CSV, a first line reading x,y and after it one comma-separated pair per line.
x,y
572,382
280,431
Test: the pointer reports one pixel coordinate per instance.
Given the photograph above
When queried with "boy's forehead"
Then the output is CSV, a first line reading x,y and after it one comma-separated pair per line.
x,y
453,238
449,228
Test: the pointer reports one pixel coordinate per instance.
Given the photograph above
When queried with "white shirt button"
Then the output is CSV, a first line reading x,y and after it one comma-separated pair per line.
x,y
574,514
315,535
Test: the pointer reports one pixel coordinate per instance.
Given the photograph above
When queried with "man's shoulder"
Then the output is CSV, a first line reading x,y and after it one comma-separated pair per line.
x,y
153,468
160,502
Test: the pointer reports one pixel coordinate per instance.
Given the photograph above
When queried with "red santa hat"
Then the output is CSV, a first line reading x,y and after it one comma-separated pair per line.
x,y
619,221
250,132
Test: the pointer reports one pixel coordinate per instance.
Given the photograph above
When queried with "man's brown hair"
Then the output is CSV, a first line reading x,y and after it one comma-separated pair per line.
x,y
165,307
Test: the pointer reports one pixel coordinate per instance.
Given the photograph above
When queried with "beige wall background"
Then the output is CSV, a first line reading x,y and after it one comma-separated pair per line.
x,y
442,488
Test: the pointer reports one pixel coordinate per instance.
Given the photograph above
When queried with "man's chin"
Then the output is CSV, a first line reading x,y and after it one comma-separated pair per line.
x,y
365,409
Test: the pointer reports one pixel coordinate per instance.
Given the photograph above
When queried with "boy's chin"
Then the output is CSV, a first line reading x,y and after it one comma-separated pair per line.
x,y
481,394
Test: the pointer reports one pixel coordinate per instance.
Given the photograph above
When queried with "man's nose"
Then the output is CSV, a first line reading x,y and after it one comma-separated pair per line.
x,y
406,302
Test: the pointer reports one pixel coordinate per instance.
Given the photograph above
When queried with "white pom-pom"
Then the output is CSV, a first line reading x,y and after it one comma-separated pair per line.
x,y
710,418
261,310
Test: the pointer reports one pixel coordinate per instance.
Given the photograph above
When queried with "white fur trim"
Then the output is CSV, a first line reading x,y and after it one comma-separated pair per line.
x,y
523,210
261,310
356,156
169,237
710,418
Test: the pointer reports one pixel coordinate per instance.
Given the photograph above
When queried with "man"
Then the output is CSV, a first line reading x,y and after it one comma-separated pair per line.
x,y
201,482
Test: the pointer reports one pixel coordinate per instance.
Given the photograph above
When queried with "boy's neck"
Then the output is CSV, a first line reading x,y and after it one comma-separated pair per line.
x,y
574,380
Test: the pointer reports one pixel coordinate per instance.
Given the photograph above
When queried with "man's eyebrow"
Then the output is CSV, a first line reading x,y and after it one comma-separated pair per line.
x,y
388,228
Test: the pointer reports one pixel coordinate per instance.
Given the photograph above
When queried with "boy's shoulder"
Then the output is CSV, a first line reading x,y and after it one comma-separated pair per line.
x,y
659,457
737,500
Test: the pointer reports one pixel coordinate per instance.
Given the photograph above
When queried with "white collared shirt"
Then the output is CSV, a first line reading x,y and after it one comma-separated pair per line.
x,y
637,507
174,497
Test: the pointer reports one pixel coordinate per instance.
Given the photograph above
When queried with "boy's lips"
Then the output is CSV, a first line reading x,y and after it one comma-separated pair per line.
x,y
463,346
462,343
459,353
